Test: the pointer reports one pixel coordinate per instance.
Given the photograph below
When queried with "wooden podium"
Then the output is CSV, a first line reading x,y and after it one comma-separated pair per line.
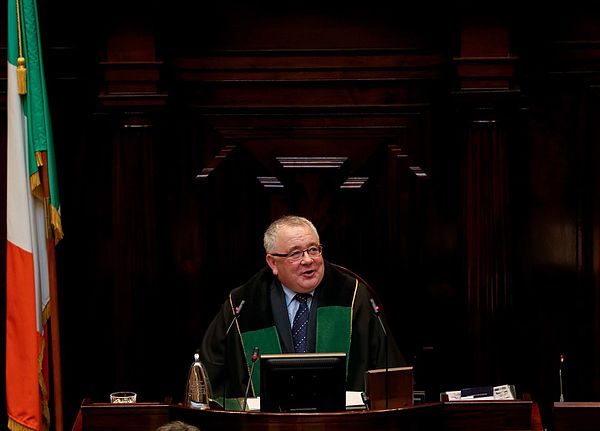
x,y
134,417
492,416
576,416
463,416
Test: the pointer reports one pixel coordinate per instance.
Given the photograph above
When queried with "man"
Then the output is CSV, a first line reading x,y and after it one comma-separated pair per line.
x,y
298,282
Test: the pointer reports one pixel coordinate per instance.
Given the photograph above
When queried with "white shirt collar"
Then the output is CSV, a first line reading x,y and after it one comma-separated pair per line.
x,y
289,294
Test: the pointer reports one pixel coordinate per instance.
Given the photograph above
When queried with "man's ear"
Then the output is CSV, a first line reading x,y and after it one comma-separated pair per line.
x,y
271,262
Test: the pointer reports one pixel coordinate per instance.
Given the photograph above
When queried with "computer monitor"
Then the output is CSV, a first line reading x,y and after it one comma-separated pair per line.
x,y
294,382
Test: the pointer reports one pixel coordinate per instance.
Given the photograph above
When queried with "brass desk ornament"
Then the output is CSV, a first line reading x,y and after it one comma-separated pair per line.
x,y
197,391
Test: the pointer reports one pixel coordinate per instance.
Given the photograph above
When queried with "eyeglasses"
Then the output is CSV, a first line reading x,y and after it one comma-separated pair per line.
x,y
297,255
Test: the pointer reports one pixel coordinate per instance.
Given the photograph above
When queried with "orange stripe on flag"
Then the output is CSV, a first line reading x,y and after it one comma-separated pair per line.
x,y
23,341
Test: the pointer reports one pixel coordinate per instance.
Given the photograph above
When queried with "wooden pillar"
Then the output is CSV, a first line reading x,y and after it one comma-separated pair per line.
x,y
485,101
130,103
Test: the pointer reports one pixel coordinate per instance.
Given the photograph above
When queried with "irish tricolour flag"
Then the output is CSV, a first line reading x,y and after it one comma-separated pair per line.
x,y
32,216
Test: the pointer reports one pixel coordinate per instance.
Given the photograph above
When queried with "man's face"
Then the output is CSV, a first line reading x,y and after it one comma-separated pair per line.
x,y
304,275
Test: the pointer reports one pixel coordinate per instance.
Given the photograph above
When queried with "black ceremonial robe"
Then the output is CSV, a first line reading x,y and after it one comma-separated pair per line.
x,y
341,320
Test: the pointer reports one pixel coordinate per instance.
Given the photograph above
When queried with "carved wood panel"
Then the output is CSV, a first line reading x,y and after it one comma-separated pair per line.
x,y
353,178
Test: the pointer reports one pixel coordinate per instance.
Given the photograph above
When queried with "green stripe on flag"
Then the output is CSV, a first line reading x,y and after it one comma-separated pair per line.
x,y
35,102
13,41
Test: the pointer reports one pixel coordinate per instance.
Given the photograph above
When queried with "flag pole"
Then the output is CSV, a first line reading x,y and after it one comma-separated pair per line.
x,y
53,284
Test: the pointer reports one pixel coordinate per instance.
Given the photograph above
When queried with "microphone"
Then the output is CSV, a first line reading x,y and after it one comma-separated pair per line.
x,y
254,359
236,315
560,382
375,307
376,313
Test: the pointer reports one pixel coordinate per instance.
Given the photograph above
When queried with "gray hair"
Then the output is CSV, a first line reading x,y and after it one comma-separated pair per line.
x,y
272,231
177,426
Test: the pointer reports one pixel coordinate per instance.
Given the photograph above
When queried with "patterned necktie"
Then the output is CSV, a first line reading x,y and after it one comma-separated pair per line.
x,y
300,324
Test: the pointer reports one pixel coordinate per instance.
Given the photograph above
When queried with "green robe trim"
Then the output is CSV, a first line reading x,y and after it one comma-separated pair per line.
x,y
332,322
334,327
268,342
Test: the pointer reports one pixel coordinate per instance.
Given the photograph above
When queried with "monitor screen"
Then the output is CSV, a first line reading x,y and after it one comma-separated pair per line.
x,y
294,382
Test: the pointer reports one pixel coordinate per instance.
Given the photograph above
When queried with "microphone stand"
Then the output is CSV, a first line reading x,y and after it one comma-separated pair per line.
x,y
236,315
254,358
560,381
376,314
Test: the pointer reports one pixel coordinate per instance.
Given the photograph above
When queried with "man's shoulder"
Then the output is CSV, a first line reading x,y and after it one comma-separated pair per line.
x,y
338,287
338,277
261,279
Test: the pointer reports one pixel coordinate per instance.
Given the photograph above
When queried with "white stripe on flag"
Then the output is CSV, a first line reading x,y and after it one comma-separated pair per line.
x,y
25,221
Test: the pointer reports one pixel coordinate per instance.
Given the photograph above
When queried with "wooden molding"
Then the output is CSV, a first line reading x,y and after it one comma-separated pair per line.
x,y
216,162
312,162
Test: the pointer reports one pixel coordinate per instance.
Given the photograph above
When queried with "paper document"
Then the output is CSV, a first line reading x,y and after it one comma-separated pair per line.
x,y
484,393
354,400
253,405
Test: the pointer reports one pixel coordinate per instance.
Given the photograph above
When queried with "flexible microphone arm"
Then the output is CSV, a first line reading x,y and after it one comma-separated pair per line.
x,y
376,314
236,315
254,359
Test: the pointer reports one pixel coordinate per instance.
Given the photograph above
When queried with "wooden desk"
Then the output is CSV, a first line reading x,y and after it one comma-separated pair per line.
x,y
460,416
133,417
573,416
425,417
491,416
